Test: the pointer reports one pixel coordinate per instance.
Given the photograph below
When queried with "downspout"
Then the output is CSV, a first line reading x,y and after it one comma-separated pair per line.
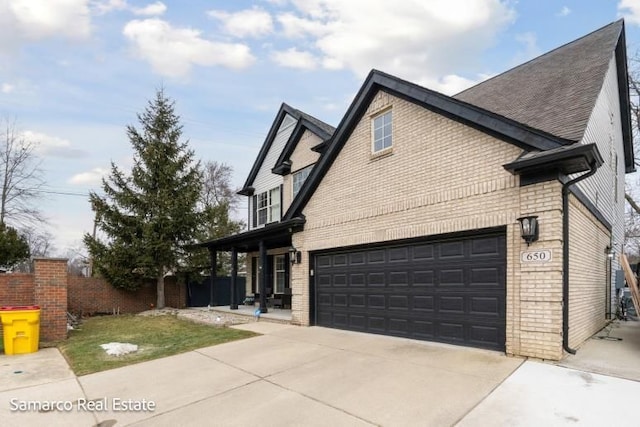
x,y
565,255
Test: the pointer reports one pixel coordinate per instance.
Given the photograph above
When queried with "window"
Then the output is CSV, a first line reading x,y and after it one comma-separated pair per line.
x,y
279,274
267,207
299,178
382,132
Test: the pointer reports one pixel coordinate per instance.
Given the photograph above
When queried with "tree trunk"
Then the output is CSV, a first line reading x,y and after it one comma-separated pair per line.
x,y
160,289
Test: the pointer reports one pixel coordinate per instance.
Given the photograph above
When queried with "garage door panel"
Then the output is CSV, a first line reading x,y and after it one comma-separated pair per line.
x,y
486,305
376,257
398,278
423,252
423,303
339,280
397,255
450,291
424,278
485,246
483,334
451,304
449,250
376,279
486,276
324,280
377,325
398,302
357,301
357,258
451,277
451,332
357,322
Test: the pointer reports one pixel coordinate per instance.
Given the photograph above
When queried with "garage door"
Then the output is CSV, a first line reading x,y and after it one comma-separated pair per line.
x,y
451,290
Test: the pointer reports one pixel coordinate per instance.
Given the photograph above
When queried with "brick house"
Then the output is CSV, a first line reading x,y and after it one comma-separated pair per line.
x,y
407,218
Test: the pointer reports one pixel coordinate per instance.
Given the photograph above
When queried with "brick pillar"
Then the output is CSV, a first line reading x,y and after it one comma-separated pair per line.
x,y
51,295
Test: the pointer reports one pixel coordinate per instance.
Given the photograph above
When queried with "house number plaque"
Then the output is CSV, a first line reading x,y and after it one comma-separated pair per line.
x,y
543,255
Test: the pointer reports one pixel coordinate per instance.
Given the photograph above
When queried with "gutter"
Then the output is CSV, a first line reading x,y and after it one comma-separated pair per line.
x,y
565,255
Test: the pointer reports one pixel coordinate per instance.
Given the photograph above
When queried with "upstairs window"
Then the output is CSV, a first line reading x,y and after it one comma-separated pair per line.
x,y
266,207
299,178
382,139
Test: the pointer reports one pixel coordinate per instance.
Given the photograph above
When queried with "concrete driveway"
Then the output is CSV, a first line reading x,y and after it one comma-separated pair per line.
x,y
288,376
292,376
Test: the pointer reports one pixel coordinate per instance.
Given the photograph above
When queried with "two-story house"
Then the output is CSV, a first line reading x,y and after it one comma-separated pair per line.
x,y
492,218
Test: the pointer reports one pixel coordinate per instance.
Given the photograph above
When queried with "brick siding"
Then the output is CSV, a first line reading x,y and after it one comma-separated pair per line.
x,y
588,284
440,177
93,295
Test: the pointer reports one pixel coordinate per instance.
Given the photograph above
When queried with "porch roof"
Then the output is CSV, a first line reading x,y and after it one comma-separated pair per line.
x,y
275,235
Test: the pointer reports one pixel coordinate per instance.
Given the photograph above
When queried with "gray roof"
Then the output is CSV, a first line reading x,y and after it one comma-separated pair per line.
x,y
322,125
555,92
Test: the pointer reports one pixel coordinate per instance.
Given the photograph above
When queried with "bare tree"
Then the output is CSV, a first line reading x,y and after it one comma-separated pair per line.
x,y
217,188
20,177
40,241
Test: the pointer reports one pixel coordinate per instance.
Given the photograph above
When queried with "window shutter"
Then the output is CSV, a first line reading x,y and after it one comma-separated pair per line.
x,y
281,203
254,275
254,208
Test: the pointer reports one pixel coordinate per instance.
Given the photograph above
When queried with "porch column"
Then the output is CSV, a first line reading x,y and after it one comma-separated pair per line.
x,y
234,275
214,261
263,277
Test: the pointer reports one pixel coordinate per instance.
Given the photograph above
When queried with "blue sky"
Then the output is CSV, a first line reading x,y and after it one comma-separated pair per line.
x,y
74,73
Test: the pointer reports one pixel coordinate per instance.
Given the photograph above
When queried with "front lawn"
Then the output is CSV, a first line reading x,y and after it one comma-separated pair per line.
x,y
155,336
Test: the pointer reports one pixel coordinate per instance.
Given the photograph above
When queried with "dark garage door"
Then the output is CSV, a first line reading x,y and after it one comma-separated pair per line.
x,y
451,290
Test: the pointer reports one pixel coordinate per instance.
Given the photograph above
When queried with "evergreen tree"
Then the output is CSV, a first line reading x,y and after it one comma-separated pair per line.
x,y
149,215
13,247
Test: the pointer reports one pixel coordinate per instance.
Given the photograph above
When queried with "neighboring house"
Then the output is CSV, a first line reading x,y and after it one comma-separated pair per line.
x,y
404,220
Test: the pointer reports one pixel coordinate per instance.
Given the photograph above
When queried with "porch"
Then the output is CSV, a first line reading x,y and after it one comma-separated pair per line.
x,y
269,268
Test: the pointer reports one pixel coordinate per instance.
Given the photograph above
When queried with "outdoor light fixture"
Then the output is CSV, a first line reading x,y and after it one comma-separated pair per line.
x,y
609,251
529,228
295,256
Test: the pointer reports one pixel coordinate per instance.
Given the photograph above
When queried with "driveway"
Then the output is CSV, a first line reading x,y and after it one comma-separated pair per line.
x,y
293,376
288,376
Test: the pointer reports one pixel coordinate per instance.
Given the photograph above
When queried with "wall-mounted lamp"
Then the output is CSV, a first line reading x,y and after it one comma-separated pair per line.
x,y
609,251
295,256
529,228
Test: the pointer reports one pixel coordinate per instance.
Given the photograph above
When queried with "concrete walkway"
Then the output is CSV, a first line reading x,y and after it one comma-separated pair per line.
x,y
294,376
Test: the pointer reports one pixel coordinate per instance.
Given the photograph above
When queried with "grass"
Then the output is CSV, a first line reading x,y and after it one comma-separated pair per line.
x,y
156,337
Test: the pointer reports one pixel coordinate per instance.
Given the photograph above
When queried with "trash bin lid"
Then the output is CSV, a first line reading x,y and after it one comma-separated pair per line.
x,y
19,307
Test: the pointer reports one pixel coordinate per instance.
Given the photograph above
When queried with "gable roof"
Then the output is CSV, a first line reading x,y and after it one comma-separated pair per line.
x,y
486,121
535,125
306,122
556,92
285,109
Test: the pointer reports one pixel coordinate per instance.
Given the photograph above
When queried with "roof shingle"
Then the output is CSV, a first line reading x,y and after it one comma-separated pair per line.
x,y
555,92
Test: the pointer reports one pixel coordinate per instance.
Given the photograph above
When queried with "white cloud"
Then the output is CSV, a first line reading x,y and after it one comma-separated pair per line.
x,y
102,7
412,39
173,51
450,84
630,10
293,58
294,26
564,11
29,20
253,22
92,177
7,88
52,146
154,9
